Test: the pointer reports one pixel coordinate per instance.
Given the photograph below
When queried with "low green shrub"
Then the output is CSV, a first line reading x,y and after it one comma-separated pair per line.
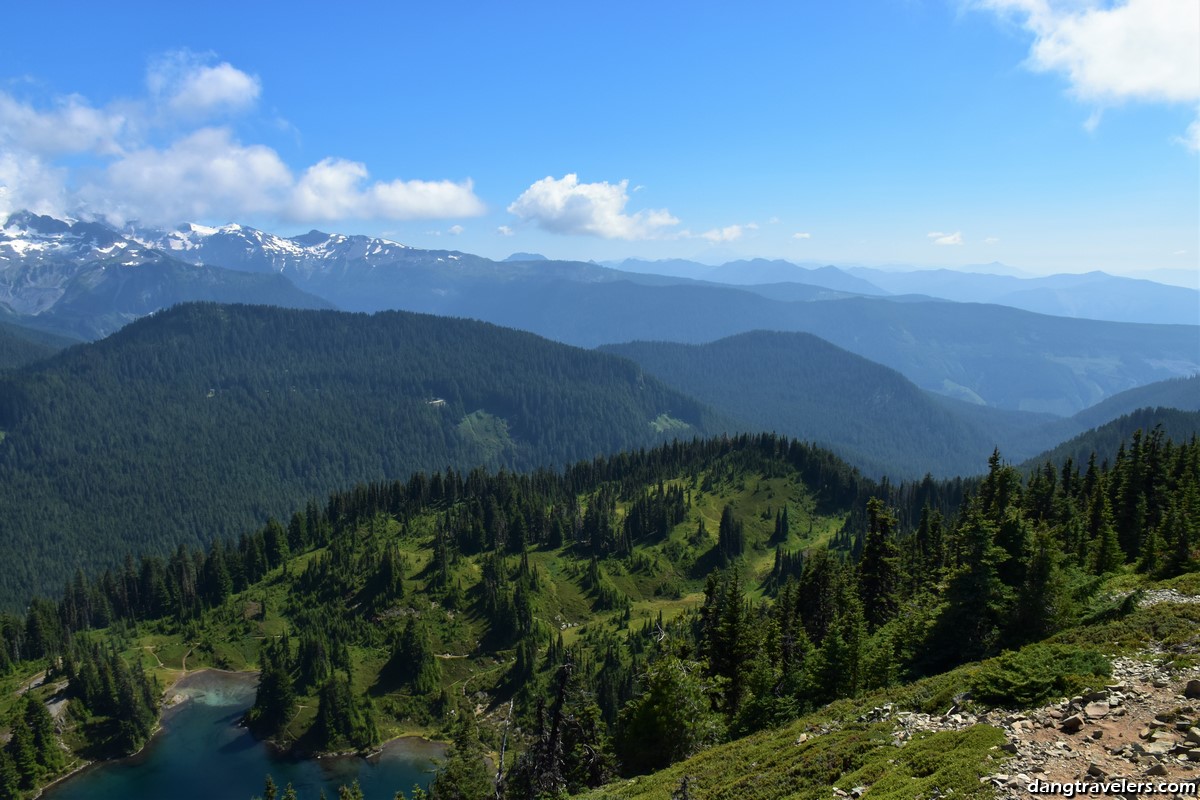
x,y
1037,674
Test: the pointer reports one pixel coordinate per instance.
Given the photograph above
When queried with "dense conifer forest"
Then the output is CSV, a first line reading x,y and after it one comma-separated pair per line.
x,y
20,346
690,594
882,422
202,420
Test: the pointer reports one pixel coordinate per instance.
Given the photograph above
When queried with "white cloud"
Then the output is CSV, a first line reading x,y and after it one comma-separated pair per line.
x,y
991,240
945,238
1137,50
70,126
504,230
801,235
727,234
773,221
1142,50
565,205
203,175
208,174
1191,139
30,183
148,160
333,189
187,85
1179,253
455,230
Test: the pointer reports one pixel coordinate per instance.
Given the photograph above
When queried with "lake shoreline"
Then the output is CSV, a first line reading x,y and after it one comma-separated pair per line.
x,y
233,692
175,695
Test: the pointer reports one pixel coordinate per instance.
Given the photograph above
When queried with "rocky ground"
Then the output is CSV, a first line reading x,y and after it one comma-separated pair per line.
x,y
1144,726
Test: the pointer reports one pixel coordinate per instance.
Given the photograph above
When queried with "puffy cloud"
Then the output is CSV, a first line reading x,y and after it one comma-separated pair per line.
x,y
29,183
71,125
148,160
945,238
189,86
455,230
564,205
1191,139
727,234
1144,50
203,175
209,174
801,235
334,189
504,230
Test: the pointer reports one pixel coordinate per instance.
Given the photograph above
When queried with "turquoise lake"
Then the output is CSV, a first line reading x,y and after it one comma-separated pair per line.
x,y
202,754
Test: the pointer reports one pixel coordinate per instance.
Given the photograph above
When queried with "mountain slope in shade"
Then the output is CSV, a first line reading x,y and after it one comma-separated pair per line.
x,y
875,418
1105,440
18,347
985,354
1178,393
202,420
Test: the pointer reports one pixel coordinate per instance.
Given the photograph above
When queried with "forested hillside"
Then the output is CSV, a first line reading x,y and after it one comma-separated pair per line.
x,y
801,386
986,354
1177,393
1105,441
21,346
200,421
624,614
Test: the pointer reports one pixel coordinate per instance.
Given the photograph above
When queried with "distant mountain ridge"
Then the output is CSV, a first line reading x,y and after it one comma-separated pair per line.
x,y
1090,295
801,386
985,354
86,279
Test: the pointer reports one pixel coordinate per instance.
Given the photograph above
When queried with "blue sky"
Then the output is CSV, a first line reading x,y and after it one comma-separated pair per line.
x,y
1054,136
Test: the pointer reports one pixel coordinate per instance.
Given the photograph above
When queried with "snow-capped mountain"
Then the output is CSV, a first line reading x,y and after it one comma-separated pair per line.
x,y
41,256
85,278
251,250
362,273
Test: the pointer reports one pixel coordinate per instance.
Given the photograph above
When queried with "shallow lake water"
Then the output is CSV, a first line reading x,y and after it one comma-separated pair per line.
x,y
203,754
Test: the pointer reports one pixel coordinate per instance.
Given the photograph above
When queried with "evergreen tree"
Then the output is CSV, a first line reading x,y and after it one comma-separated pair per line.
x,y
731,537
463,775
45,742
878,569
275,700
669,721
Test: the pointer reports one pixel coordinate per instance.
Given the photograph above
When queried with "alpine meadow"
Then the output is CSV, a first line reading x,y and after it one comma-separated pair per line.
x,y
533,402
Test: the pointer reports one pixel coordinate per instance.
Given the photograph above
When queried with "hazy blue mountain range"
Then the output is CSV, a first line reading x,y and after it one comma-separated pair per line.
x,y
1091,295
991,355
985,354
752,272
801,386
